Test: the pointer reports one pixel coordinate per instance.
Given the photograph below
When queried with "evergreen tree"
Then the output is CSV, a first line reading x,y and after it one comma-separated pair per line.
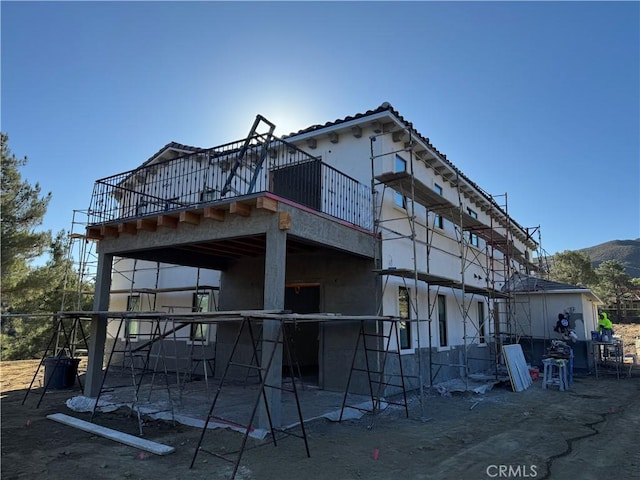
x,y
23,209
613,283
29,289
574,268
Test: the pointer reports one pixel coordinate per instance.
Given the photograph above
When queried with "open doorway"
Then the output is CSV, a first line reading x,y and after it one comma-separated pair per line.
x,y
305,337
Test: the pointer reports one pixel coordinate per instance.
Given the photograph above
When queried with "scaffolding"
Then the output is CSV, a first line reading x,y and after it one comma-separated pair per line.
x,y
267,368
486,251
82,264
147,342
69,338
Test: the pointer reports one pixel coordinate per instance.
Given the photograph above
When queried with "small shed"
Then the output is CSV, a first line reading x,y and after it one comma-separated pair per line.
x,y
547,299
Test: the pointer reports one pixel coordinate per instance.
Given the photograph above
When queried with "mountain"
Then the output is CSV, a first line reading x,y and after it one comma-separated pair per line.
x,y
626,252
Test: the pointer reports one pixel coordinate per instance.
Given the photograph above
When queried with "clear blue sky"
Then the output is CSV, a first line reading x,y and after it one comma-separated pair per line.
x,y
537,100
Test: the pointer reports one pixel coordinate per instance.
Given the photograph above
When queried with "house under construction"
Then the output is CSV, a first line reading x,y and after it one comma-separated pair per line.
x,y
359,217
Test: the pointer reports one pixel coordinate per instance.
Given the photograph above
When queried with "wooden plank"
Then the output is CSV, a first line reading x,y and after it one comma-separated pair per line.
x,y
137,442
240,209
192,218
285,221
147,225
267,203
129,228
109,231
94,234
167,221
517,367
214,213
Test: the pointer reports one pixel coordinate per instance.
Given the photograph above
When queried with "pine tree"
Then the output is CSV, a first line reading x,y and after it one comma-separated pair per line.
x,y
28,288
613,283
22,209
573,267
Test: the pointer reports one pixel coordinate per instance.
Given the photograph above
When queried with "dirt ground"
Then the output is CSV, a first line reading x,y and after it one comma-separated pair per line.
x,y
591,431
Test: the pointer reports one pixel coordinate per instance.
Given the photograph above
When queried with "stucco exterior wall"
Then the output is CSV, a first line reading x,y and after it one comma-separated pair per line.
x,y
545,308
347,283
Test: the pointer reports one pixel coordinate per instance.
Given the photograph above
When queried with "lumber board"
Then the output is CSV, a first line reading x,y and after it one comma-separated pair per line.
x,y
116,436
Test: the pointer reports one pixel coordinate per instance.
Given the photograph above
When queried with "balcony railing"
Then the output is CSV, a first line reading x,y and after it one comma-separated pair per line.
x,y
231,171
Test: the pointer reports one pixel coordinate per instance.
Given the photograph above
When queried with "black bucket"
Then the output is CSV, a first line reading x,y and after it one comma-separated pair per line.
x,y
60,372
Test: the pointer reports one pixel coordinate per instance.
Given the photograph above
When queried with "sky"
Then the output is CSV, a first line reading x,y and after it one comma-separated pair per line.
x,y
536,102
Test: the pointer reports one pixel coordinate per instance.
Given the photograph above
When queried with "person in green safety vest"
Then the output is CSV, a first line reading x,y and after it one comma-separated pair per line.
x,y
605,327
604,323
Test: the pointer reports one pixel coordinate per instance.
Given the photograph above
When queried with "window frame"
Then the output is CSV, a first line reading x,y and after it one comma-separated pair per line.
x,y
132,325
399,200
438,221
404,295
472,238
443,334
482,334
199,332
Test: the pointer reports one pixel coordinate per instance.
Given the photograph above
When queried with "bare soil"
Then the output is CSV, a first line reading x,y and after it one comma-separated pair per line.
x,y
591,431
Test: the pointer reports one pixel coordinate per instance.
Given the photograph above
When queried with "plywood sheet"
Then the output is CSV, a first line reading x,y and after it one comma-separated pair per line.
x,y
517,367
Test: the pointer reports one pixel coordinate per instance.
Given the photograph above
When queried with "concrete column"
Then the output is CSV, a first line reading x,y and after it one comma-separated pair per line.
x,y
98,335
274,286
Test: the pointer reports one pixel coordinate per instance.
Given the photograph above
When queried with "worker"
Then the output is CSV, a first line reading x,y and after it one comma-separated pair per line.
x,y
604,323
605,327
563,327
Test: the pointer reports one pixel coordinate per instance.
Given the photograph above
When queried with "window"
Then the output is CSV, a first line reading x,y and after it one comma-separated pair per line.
x,y
400,166
472,238
481,323
132,326
200,331
404,309
437,222
442,320
201,302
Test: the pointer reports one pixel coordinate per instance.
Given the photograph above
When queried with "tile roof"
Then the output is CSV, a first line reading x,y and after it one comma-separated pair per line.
x,y
528,283
387,107
173,146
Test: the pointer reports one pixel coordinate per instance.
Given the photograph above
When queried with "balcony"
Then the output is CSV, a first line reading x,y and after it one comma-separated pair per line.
x,y
228,173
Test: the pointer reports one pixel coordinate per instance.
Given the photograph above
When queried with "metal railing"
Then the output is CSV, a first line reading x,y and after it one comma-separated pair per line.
x,y
231,171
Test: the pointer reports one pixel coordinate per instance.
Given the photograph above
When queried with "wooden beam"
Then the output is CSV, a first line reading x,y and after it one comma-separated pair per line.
x,y
147,224
266,203
94,234
116,436
129,228
240,209
109,231
285,221
191,218
167,221
214,213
